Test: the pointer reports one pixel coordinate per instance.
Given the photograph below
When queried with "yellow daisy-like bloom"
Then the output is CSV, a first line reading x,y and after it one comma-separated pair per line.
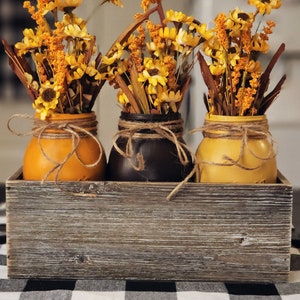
x,y
203,31
155,72
253,66
73,19
75,31
76,73
122,97
233,58
111,71
238,21
178,16
265,7
30,41
115,54
47,101
217,68
187,39
152,47
75,27
66,5
74,60
31,82
151,89
260,44
169,97
49,6
168,33
91,71
76,65
212,47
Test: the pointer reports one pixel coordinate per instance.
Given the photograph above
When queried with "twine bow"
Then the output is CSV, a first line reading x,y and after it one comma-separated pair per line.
x,y
243,132
170,130
258,130
42,130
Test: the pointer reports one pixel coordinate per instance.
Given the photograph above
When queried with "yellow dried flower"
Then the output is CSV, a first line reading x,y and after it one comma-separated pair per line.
x,y
60,54
233,46
48,99
154,59
265,7
178,16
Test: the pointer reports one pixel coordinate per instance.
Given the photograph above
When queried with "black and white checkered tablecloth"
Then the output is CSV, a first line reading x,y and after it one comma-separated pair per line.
x,y
15,289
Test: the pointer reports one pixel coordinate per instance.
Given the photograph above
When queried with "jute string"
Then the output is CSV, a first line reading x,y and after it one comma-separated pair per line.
x,y
243,132
131,130
75,130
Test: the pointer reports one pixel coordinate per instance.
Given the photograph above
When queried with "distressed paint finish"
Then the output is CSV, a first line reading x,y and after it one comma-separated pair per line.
x,y
127,230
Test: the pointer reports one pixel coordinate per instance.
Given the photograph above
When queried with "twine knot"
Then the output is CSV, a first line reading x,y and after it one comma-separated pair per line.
x,y
132,130
244,132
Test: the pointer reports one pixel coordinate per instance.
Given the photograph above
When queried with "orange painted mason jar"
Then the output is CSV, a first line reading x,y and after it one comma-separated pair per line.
x,y
65,147
236,149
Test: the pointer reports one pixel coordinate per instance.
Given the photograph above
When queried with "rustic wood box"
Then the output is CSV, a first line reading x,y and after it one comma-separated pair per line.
x,y
127,230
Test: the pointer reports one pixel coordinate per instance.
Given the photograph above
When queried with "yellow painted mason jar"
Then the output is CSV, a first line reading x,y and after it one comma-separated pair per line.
x,y
65,147
236,149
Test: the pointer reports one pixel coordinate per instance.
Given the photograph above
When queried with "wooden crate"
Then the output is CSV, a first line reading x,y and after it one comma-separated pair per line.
x,y
127,230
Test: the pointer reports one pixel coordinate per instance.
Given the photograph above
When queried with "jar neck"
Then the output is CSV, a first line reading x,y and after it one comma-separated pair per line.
x,y
150,117
66,125
236,127
260,119
149,128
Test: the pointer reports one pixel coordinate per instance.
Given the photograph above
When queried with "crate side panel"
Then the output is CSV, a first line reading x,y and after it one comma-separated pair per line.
x,y
126,230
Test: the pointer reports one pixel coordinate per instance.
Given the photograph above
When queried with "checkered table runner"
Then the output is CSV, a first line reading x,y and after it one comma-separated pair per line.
x,y
35,289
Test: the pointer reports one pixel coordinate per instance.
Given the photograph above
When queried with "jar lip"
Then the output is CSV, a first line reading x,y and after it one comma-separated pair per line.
x,y
224,118
67,116
150,117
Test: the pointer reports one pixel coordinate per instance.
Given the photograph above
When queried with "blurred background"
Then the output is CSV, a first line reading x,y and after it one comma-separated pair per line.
x,y
107,22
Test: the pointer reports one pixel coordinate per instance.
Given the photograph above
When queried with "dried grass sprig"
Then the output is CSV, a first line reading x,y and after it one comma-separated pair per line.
x,y
233,73
151,68
55,60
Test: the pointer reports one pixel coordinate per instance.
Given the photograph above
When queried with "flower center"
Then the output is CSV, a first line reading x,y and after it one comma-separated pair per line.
x,y
243,16
48,95
153,72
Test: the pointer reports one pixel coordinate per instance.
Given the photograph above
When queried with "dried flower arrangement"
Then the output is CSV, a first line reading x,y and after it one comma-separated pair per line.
x,y
57,61
151,66
234,77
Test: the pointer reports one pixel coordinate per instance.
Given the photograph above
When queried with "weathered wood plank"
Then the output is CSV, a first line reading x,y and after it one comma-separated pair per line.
x,y
127,230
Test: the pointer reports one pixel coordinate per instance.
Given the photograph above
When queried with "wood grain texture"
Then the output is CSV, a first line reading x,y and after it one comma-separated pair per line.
x,y
127,230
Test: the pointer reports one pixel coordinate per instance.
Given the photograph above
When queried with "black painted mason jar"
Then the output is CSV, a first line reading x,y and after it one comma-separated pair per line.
x,y
149,147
